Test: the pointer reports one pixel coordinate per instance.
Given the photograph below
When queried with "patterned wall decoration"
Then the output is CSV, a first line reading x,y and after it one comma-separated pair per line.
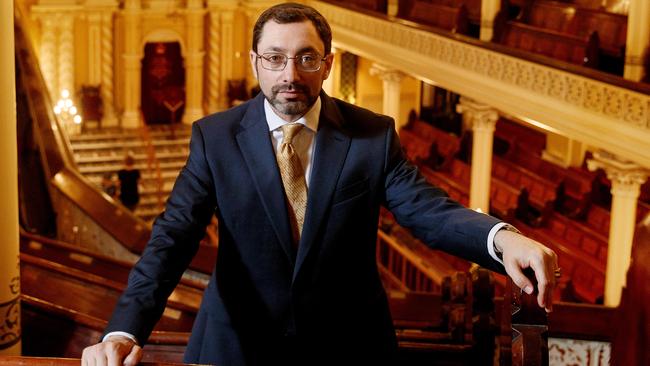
x,y
572,352
10,316
348,77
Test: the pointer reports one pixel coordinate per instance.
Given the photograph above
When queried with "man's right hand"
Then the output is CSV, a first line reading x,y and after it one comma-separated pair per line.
x,y
114,351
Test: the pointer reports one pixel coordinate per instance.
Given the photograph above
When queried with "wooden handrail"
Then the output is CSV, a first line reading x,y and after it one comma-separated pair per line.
x,y
407,257
153,165
54,361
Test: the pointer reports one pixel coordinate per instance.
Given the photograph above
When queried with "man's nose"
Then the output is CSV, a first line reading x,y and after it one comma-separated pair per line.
x,y
291,72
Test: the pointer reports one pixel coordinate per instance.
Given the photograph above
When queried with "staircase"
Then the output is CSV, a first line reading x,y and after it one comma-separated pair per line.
x,y
102,151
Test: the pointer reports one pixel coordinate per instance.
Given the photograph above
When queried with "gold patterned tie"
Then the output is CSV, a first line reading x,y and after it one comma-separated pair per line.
x,y
293,179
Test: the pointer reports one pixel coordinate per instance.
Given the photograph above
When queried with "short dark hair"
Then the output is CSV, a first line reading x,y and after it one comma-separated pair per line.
x,y
286,13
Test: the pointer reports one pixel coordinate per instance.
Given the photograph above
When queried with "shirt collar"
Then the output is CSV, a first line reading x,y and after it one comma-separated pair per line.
x,y
309,119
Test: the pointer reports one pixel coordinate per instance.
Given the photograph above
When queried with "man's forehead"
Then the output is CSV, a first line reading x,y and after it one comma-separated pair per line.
x,y
297,37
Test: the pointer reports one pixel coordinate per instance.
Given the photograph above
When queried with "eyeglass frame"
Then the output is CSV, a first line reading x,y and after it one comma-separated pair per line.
x,y
287,58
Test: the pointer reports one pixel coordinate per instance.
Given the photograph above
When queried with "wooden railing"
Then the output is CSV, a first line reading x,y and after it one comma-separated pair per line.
x,y
51,361
153,165
408,267
120,223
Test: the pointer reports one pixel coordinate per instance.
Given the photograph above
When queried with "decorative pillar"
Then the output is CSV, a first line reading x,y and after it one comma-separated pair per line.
x,y
489,10
221,52
482,120
10,330
331,84
626,179
108,101
194,62
638,38
132,64
47,53
66,53
392,86
216,100
100,54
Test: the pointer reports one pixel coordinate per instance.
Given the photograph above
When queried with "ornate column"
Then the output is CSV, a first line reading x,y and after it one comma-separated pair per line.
x,y
132,64
100,53
215,100
392,91
331,85
626,179
221,52
194,62
66,53
10,330
108,66
482,120
489,10
638,38
47,53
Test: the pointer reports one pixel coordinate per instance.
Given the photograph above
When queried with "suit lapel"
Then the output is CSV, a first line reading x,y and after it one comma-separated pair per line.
x,y
331,148
255,144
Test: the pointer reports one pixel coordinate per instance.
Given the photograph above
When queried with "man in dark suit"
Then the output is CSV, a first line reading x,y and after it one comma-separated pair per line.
x,y
297,179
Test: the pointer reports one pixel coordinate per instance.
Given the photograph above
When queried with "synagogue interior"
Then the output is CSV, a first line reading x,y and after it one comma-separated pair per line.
x,y
534,111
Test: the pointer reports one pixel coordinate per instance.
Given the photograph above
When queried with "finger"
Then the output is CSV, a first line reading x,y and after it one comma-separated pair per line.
x,y
134,357
115,354
100,359
544,276
518,277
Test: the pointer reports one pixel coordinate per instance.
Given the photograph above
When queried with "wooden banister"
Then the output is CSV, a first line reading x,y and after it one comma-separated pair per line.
x,y
153,165
53,361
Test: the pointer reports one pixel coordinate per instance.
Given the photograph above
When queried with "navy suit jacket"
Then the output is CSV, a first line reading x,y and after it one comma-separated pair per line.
x,y
267,302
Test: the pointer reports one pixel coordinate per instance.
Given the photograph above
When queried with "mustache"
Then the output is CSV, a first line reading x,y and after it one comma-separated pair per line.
x,y
289,87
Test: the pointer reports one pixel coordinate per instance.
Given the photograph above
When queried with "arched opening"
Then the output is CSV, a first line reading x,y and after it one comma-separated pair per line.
x,y
163,83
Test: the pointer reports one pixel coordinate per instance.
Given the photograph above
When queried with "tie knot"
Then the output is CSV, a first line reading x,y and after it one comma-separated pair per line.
x,y
289,131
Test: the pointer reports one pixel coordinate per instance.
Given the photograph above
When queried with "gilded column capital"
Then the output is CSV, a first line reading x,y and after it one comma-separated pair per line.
x,y
477,115
626,176
386,73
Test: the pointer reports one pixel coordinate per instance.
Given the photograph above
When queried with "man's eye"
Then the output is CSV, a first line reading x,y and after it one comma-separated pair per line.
x,y
307,58
275,58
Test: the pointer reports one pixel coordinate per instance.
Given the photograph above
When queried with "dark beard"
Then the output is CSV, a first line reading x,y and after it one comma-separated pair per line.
x,y
293,107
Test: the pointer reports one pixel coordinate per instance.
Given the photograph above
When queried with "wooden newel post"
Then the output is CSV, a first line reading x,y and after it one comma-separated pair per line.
x,y
529,327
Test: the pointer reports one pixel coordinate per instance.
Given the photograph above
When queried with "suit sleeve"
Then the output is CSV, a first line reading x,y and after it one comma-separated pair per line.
x,y
174,241
440,222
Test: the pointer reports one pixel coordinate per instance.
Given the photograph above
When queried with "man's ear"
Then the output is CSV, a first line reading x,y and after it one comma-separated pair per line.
x,y
253,57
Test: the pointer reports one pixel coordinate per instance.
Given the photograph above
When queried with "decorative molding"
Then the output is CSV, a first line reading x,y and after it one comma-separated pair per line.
x,y
569,352
10,316
588,110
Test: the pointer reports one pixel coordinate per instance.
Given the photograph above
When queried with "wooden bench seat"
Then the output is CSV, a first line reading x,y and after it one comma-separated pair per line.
x,y
579,236
560,46
449,18
417,149
541,191
586,274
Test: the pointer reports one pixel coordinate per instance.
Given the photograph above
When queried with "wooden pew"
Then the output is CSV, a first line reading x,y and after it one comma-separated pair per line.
x,y
380,6
560,46
444,146
417,149
585,273
541,191
449,18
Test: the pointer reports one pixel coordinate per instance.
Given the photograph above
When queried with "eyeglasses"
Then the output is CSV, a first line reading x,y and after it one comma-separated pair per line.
x,y
308,62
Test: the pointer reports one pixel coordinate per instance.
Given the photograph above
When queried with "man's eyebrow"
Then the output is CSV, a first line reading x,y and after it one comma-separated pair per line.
x,y
308,49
